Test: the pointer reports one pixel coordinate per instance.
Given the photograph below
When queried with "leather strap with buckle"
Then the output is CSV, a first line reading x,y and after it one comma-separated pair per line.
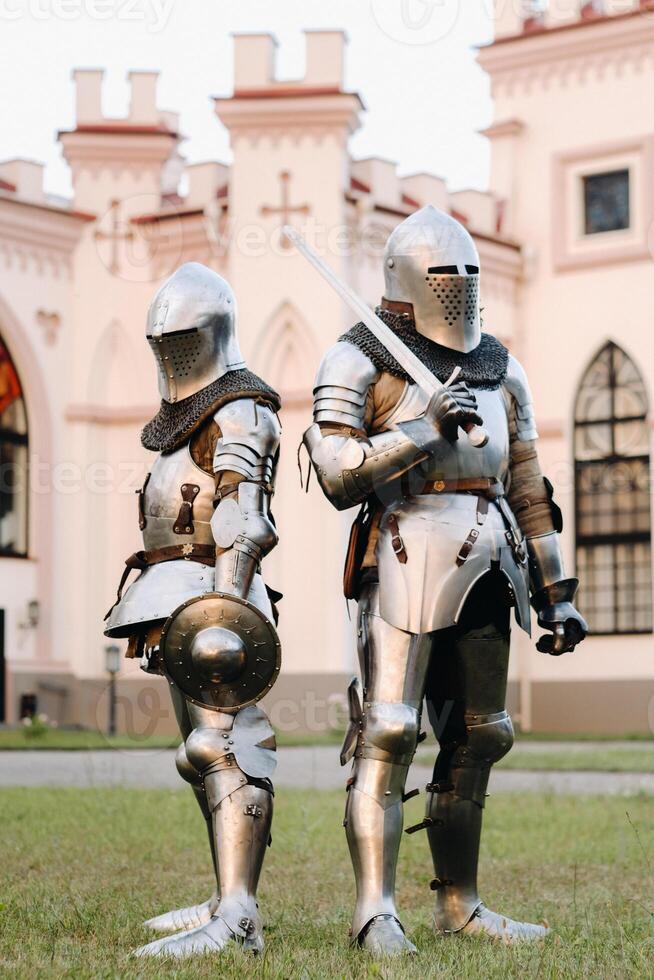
x,y
184,523
141,497
467,546
396,539
486,486
397,306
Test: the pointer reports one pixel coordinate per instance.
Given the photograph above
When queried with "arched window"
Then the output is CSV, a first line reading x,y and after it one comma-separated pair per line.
x,y
612,496
13,459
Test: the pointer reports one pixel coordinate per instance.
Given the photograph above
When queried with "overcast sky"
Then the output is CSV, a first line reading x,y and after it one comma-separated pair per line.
x,y
413,61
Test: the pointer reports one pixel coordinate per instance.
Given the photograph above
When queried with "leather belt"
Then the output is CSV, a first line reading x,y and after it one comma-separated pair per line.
x,y
480,485
140,560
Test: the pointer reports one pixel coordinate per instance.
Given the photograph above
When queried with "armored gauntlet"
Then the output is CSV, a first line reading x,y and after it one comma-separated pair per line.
x,y
552,596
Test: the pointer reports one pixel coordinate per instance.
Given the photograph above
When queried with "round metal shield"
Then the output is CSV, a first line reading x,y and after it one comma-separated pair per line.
x,y
221,651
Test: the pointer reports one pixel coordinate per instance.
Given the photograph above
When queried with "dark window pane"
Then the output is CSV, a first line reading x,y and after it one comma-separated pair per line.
x,y
606,202
614,561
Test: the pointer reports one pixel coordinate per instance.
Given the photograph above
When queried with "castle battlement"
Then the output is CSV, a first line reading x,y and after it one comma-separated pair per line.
x,y
515,18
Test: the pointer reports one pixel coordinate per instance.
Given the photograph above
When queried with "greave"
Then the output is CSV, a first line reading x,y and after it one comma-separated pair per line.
x,y
201,797
373,827
454,834
241,831
455,805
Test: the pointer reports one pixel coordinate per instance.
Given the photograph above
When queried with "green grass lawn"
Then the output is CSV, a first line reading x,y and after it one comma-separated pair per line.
x,y
597,760
607,760
82,868
80,739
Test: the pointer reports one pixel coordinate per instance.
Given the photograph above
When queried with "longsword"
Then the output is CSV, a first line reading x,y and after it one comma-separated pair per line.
x,y
407,360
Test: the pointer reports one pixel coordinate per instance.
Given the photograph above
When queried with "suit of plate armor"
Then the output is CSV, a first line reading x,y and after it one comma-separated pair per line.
x,y
455,536
205,518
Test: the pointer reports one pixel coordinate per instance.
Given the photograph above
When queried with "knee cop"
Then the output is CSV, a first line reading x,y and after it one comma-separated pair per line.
x,y
186,770
244,752
464,765
389,732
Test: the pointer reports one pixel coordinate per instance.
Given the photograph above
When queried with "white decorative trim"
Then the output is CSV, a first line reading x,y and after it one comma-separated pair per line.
x,y
40,237
105,415
118,153
50,324
293,118
596,49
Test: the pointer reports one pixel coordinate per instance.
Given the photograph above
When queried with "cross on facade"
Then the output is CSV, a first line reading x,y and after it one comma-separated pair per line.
x,y
117,234
285,208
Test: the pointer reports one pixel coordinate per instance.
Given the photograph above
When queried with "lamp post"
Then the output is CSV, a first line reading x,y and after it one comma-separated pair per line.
x,y
112,666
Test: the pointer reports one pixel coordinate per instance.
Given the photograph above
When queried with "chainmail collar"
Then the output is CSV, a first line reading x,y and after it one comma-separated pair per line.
x,y
175,422
484,367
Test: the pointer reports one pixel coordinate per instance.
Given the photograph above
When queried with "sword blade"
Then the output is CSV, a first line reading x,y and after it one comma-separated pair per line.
x,y
404,357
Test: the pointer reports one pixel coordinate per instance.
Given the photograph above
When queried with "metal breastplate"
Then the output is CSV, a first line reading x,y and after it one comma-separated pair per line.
x,y
464,461
177,502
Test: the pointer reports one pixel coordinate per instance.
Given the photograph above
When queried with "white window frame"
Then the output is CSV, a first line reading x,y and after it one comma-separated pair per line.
x,y
572,247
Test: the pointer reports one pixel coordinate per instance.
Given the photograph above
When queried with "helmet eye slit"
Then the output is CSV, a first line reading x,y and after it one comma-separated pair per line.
x,y
443,270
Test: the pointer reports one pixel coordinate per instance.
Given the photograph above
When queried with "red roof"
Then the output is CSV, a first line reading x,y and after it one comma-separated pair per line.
x,y
358,185
119,128
411,201
146,219
535,25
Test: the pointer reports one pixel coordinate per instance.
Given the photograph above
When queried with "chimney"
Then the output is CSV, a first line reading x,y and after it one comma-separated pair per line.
x,y
324,61
26,176
88,95
254,61
143,103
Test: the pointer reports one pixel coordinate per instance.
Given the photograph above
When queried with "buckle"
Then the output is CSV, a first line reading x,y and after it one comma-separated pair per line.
x,y
427,822
439,485
467,546
437,883
252,810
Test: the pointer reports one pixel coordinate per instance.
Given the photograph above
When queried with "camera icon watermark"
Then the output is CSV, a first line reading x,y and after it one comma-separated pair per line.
x,y
416,22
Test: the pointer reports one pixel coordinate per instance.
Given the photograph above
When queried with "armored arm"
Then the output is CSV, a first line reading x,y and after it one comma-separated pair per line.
x,y
241,524
350,464
530,496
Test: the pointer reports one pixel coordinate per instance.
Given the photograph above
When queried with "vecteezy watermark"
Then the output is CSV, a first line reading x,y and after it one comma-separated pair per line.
x,y
143,711
139,715
67,477
154,13
416,22
138,239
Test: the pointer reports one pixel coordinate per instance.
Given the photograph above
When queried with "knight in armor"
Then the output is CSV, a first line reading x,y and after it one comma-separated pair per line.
x,y
449,537
199,612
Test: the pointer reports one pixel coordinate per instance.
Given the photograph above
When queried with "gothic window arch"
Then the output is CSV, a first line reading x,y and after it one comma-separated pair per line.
x,y
613,525
13,459
285,352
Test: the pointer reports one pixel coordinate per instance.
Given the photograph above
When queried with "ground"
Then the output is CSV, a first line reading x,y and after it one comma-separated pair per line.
x,y
83,868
